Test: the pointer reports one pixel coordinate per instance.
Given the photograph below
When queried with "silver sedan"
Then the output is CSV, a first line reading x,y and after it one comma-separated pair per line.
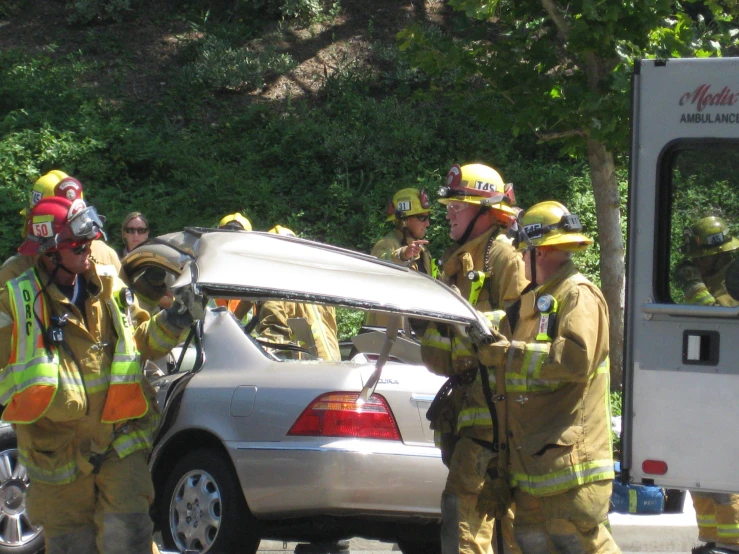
x,y
255,444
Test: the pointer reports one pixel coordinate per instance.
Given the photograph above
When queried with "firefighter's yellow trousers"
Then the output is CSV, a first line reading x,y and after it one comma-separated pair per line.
x,y
718,517
571,522
107,513
463,529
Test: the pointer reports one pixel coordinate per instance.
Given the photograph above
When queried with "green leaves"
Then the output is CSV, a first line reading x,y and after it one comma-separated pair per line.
x,y
565,68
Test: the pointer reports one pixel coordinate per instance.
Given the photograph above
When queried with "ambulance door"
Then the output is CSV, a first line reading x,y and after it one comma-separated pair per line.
x,y
681,371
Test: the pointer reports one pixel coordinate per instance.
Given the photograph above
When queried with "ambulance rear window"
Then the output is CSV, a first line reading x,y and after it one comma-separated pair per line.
x,y
699,237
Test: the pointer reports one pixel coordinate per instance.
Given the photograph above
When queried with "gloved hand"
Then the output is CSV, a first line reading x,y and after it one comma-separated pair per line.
x,y
495,319
178,315
687,275
495,498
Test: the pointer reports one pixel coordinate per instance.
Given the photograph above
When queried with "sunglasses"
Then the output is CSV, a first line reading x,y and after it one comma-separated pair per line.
x,y
421,218
134,230
81,249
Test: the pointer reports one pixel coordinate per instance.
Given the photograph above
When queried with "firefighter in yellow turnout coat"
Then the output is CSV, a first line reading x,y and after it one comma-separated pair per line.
x,y
410,211
478,202
273,319
557,394
70,338
709,246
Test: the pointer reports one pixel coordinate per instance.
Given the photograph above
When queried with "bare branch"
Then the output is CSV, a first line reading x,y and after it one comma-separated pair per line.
x,y
561,135
559,20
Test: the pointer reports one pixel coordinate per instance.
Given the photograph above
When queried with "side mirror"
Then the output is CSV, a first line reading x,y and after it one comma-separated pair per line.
x,y
732,279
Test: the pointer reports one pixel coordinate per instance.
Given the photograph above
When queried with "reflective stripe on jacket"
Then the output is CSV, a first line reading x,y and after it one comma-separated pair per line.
x,y
56,447
445,352
30,381
126,399
32,378
558,392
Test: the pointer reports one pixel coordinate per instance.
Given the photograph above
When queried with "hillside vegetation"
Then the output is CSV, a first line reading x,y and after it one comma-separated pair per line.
x,y
297,112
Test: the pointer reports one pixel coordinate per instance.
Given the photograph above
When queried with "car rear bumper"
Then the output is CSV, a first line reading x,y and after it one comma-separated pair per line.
x,y
339,477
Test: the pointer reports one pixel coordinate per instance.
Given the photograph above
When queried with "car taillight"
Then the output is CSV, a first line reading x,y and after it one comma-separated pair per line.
x,y
337,414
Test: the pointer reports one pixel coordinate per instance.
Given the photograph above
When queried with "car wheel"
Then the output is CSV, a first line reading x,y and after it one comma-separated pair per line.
x,y
17,534
419,547
203,509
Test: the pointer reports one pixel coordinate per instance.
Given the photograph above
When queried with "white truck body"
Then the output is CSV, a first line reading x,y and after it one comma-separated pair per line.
x,y
681,368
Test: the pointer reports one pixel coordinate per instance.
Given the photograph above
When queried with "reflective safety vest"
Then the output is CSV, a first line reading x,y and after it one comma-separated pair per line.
x,y
30,382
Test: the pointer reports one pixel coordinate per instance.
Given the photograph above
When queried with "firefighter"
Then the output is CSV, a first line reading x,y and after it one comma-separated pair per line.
x,y
490,274
410,212
72,341
234,222
557,393
709,247
274,315
242,309
55,183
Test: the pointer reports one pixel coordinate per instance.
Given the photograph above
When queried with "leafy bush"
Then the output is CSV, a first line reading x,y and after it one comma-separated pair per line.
x,y
349,322
325,167
11,7
82,12
616,411
220,66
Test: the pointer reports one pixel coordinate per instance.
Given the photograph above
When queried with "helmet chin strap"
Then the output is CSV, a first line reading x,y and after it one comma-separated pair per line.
x,y
532,259
470,226
56,258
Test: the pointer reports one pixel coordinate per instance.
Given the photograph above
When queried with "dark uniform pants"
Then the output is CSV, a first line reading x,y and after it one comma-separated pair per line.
x,y
107,513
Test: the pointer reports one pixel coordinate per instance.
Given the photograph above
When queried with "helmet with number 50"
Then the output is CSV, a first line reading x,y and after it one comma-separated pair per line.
x,y
57,223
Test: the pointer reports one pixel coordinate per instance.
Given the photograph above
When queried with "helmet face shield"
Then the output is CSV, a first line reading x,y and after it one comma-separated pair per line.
x,y
57,223
85,225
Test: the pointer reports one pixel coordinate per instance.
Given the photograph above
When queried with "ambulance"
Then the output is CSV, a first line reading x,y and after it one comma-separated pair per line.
x,y
681,366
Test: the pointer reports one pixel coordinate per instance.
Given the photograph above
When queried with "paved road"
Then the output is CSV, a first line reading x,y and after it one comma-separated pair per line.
x,y
362,546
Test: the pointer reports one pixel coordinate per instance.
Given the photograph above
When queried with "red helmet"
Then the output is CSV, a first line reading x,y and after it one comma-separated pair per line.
x,y
69,188
57,223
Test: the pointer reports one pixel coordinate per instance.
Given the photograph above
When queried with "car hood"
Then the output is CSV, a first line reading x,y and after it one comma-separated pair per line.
x,y
263,266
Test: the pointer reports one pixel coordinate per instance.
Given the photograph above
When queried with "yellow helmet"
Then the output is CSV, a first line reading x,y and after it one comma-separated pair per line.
x,y
280,230
408,202
478,184
550,224
46,185
235,221
708,236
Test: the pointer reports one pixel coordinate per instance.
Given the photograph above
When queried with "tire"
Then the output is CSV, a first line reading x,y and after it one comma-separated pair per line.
x,y
17,534
203,509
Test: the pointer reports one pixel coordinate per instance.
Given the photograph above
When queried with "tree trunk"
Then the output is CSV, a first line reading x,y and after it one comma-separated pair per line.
x,y
612,266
